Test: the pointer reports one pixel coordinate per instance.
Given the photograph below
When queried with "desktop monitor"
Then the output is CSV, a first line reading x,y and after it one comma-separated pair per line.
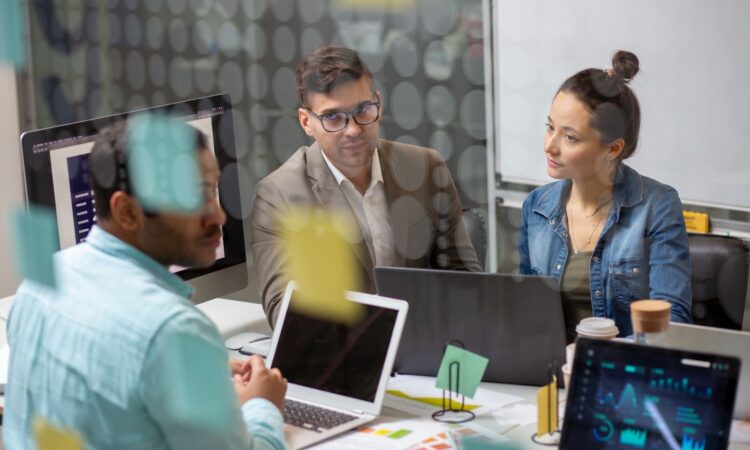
x,y
55,166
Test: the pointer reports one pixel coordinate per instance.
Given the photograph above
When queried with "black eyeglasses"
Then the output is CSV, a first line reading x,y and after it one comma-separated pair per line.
x,y
364,114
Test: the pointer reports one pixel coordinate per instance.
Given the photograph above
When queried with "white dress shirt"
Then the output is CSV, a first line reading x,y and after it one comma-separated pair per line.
x,y
370,210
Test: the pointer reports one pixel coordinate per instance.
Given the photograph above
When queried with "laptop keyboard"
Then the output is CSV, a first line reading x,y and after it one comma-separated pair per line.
x,y
313,418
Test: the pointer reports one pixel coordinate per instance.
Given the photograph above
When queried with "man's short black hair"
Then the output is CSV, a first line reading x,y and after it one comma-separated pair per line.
x,y
109,165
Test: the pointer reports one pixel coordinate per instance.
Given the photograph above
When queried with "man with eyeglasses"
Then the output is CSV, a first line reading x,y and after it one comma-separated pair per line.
x,y
401,196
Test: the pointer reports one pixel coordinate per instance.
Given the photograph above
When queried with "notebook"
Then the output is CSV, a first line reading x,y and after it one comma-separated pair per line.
x,y
630,396
719,340
337,374
514,320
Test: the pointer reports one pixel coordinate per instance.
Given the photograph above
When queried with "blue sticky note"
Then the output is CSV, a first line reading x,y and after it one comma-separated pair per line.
x,y
35,240
198,391
13,33
462,378
163,164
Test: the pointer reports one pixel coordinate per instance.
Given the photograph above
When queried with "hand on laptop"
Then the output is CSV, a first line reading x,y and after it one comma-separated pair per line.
x,y
261,382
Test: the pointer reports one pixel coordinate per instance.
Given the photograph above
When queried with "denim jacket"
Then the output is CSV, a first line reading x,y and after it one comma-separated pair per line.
x,y
642,252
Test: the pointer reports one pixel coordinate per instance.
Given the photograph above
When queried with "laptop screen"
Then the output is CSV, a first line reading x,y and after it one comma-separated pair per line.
x,y
341,359
625,396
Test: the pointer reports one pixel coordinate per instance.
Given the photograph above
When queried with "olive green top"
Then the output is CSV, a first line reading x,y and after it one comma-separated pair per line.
x,y
576,292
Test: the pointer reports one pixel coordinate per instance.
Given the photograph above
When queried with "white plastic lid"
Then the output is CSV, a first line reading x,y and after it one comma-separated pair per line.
x,y
597,327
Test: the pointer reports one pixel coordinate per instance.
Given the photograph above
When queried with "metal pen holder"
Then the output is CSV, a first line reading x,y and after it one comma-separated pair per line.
x,y
452,414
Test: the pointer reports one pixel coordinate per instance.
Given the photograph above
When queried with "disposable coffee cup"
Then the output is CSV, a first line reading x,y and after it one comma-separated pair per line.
x,y
597,328
570,351
566,371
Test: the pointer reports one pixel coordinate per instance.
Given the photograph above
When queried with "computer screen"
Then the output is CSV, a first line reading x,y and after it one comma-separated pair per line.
x,y
628,396
341,359
56,175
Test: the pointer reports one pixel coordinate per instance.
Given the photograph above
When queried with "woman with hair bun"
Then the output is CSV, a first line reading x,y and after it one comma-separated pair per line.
x,y
609,235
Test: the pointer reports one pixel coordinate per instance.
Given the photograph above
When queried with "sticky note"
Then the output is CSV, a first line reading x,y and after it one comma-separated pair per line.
x,y
163,163
13,33
35,240
546,400
50,437
199,390
483,443
469,372
321,261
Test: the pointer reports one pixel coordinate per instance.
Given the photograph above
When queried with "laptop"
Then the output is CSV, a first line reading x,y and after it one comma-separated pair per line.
x,y
630,396
514,320
726,342
337,374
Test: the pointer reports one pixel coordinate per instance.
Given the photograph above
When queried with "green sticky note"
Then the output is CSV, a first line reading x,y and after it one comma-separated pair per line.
x,y
13,33
483,443
469,373
198,389
35,240
163,163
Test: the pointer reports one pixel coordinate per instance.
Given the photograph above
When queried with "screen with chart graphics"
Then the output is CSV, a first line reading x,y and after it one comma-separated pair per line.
x,y
628,396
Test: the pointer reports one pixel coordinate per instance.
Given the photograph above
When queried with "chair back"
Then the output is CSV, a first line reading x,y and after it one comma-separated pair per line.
x,y
477,229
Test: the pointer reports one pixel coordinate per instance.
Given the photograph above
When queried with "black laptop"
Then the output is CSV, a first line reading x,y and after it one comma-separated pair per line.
x,y
629,396
514,320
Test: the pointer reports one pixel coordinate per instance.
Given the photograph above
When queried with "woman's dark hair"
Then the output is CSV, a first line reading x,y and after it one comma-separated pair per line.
x,y
615,112
109,167
326,67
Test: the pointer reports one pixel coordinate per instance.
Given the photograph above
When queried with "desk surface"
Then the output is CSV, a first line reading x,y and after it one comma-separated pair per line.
x,y
232,317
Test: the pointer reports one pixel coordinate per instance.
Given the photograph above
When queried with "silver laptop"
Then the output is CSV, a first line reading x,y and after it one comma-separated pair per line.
x,y
717,340
337,373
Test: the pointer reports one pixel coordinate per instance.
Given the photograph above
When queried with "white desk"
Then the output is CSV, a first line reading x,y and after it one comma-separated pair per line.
x,y
240,316
233,317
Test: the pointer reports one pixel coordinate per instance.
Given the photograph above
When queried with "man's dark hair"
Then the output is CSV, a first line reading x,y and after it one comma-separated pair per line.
x,y
326,67
109,165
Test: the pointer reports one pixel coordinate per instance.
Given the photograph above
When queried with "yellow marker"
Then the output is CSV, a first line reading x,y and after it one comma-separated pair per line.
x,y
50,437
696,222
323,263
546,401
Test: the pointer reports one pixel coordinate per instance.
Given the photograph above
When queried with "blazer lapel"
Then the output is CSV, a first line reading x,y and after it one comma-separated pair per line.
x,y
329,195
389,164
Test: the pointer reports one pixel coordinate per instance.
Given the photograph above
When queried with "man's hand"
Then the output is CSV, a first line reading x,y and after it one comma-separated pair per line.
x,y
262,382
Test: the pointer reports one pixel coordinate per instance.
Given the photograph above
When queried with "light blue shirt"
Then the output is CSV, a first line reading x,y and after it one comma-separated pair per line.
x,y
89,356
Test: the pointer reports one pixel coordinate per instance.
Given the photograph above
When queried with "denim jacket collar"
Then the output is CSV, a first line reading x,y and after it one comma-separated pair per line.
x,y
628,193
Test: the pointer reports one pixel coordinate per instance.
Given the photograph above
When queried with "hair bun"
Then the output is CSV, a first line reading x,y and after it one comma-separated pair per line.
x,y
625,64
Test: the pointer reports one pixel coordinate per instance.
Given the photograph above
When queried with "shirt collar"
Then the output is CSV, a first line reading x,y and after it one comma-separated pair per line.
x,y
628,192
112,245
376,173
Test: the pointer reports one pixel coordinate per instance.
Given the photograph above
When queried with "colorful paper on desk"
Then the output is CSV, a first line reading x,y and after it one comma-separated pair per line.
x,y
388,434
322,262
13,33
418,395
466,376
50,437
163,164
35,240
197,386
546,400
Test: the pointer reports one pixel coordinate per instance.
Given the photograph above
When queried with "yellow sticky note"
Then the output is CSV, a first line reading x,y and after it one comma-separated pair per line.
x,y
546,401
322,262
50,437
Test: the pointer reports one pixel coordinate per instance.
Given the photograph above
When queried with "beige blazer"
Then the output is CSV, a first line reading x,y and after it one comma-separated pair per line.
x,y
424,205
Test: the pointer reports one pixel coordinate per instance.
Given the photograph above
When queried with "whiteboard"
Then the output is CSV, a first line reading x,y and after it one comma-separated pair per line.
x,y
693,87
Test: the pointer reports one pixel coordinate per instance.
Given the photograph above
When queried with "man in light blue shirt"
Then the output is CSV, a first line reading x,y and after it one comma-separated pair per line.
x,y
93,356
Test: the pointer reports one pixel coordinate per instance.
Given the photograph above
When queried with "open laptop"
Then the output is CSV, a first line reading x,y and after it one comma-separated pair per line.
x,y
630,396
717,340
337,373
514,320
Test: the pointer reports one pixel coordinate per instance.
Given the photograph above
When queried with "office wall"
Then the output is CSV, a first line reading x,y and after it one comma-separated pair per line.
x,y
11,193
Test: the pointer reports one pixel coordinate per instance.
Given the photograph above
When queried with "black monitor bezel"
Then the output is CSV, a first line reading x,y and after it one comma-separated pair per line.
x,y
37,168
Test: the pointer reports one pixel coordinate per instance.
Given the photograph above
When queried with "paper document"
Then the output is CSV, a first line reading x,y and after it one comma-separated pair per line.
x,y
384,434
418,395
740,431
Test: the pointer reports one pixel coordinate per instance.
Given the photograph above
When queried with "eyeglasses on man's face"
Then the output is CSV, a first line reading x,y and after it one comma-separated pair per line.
x,y
364,114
